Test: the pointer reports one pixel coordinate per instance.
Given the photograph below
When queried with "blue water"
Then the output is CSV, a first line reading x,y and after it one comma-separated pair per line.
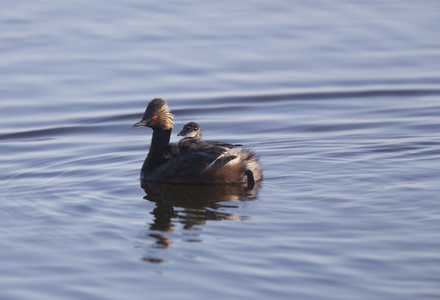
x,y
341,100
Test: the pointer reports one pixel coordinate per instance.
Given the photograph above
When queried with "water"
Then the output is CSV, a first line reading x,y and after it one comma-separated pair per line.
x,y
340,100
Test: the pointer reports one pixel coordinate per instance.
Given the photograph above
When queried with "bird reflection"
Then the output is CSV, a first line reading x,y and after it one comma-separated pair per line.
x,y
188,208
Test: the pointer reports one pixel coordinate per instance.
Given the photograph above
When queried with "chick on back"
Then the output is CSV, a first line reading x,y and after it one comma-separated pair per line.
x,y
191,141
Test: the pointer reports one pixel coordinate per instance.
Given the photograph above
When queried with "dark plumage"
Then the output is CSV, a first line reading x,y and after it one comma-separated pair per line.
x,y
171,151
210,164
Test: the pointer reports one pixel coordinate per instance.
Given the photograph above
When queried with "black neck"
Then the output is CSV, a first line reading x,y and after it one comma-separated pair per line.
x,y
159,141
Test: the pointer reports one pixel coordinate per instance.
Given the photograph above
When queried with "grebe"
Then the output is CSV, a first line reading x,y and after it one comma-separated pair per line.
x,y
207,165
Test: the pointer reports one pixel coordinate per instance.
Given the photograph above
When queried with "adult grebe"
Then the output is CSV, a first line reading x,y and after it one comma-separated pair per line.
x,y
212,164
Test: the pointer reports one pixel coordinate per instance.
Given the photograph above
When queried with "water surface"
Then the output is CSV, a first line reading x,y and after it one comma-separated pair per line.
x,y
341,100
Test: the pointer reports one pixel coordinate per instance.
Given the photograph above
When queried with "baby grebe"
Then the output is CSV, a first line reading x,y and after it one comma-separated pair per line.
x,y
191,130
207,165
191,141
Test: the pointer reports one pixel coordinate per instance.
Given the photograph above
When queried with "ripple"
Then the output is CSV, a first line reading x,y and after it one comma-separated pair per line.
x,y
343,109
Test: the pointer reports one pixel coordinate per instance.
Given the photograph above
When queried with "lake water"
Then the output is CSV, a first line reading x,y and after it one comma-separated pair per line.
x,y
340,99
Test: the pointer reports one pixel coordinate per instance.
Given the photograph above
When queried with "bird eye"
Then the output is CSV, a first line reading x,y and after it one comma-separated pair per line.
x,y
154,117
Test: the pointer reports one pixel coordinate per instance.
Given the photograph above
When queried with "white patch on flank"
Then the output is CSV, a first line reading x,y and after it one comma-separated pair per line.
x,y
229,153
211,164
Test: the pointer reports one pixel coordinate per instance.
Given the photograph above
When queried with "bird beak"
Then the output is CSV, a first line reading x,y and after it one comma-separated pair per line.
x,y
140,123
183,132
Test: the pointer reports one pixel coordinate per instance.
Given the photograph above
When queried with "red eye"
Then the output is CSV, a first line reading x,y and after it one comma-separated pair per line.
x,y
154,117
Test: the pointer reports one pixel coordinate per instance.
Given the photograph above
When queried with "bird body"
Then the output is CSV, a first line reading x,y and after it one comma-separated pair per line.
x,y
193,161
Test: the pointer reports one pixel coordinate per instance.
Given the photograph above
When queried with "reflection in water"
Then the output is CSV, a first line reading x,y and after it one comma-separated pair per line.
x,y
190,206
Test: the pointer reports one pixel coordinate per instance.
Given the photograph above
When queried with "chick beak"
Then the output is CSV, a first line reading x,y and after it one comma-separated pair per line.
x,y
183,132
140,123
